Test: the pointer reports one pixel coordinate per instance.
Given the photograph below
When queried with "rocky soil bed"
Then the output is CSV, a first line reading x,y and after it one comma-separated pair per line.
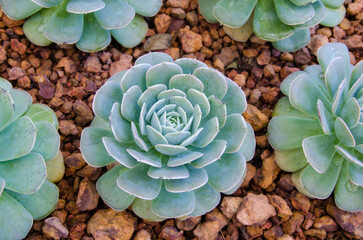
x,y
267,206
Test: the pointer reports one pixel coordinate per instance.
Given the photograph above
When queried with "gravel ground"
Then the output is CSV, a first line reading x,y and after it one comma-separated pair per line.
x,y
267,206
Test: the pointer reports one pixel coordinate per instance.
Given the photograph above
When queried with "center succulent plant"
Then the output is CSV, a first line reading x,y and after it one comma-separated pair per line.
x,y
317,130
29,144
286,23
177,132
87,23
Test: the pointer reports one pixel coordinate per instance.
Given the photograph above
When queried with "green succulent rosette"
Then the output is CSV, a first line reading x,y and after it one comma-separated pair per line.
x,y
177,131
285,23
87,23
317,130
29,144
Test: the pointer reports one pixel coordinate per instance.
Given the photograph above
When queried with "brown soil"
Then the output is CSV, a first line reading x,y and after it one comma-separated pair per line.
x,y
66,79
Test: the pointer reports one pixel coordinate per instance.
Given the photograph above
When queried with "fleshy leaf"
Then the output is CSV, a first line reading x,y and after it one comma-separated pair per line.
x,y
349,156
85,6
217,109
304,94
234,13
141,143
296,41
116,14
133,34
154,58
197,97
110,192
165,172
333,16
343,133
291,160
291,14
226,172
332,50
326,118
351,113
33,27
135,77
162,73
142,208
47,141
335,74
249,144
173,205
318,185
207,198
94,38
189,65
284,131
150,95
206,9
6,108
19,136
130,110
39,112
208,134
92,148
121,128
235,98
135,181
58,28
19,224
234,132
19,9
319,151
267,25
146,8
197,178
355,174
155,136
151,157
211,153
183,158
170,150
184,82
320,12
118,151
41,203
105,98
348,196
30,172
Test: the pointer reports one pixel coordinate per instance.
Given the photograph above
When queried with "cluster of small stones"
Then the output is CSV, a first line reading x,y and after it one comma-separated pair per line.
x,y
66,80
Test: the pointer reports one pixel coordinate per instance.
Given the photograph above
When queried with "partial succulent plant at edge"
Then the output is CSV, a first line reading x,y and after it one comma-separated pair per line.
x,y
87,23
317,129
29,152
177,132
285,23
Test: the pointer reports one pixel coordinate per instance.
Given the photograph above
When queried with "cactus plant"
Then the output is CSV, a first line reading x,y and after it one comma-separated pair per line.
x,y
286,23
29,144
177,132
87,23
317,129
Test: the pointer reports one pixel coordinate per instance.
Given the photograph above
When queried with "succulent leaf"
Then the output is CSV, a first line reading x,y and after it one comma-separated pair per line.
x,y
171,127
283,22
87,23
28,138
331,154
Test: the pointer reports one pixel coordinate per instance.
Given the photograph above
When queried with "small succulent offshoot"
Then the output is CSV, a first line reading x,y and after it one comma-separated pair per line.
x,y
317,129
29,152
87,23
176,130
285,23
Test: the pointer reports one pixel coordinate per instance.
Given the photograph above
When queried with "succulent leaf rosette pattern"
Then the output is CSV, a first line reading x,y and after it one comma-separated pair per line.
x,y
29,146
87,23
317,130
177,131
286,23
